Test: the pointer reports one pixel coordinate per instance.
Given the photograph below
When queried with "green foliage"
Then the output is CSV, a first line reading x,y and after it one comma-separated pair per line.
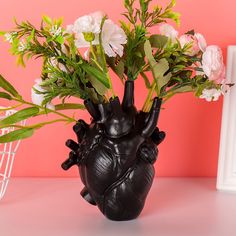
x,y
96,73
16,135
47,20
158,41
98,86
170,14
32,111
5,96
149,18
141,19
159,69
117,65
72,75
67,73
63,84
134,54
69,106
184,89
4,84
19,116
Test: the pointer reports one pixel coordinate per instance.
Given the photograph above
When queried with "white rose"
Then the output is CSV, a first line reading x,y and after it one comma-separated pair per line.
x,y
89,23
211,94
213,65
113,38
80,41
39,98
169,31
69,29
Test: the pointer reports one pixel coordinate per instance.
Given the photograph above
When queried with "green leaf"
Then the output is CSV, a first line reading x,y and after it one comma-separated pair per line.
x,y
117,68
19,116
5,95
47,20
48,81
69,106
20,60
8,87
93,95
60,39
158,41
2,33
99,87
158,69
184,89
171,4
175,16
96,73
125,27
162,79
16,135
120,68
58,22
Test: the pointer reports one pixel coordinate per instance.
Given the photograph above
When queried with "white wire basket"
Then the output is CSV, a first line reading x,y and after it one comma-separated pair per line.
x,y
7,156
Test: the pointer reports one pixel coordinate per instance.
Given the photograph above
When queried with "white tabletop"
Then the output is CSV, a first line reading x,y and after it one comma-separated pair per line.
x,y
175,206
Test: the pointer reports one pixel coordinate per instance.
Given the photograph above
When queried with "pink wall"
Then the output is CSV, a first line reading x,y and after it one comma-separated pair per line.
x,y
192,125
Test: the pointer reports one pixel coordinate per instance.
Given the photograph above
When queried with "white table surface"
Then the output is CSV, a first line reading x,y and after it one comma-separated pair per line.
x,y
175,206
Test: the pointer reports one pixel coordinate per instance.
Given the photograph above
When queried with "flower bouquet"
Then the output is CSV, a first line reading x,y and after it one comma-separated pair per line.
x,y
116,151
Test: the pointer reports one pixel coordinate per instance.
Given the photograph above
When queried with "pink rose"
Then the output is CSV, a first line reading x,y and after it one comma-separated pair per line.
x,y
198,43
202,44
187,39
213,65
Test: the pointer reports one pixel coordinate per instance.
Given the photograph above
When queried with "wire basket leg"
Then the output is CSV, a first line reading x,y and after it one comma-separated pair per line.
x,y
7,156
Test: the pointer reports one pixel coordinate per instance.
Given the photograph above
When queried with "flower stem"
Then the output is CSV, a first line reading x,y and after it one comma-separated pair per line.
x,y
70,119
147,104
104,59
10,108
36,126
95,60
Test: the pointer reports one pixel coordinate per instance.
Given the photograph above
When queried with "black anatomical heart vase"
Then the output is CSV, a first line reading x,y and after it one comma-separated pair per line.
x,y
115,154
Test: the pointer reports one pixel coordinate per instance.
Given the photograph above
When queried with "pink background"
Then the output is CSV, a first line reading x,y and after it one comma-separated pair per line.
x,y
192,125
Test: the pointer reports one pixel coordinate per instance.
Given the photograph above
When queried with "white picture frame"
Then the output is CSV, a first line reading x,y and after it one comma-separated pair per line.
x,y
226,179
